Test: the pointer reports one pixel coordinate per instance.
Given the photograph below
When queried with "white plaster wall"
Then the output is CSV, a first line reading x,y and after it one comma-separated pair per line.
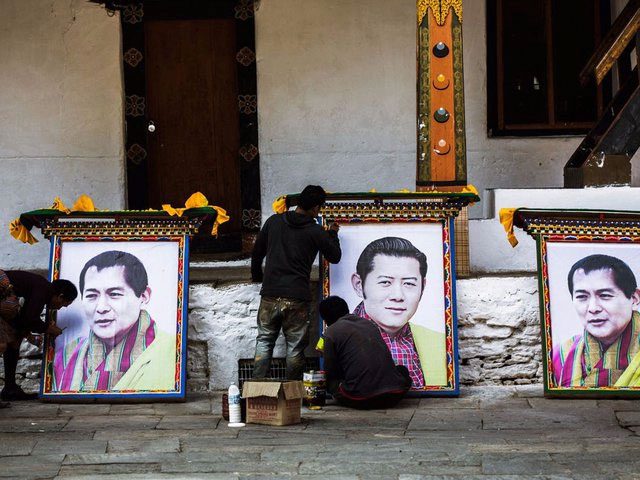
x,y
336,95
61,113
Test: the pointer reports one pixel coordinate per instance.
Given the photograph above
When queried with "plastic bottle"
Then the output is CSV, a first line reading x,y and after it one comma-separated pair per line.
x,y
235,414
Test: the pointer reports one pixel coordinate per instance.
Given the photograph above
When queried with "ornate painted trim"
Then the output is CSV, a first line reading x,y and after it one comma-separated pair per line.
x,y
458,102
439,8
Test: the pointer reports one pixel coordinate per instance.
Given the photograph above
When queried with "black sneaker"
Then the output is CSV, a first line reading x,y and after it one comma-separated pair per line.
x,y
4,405
16,394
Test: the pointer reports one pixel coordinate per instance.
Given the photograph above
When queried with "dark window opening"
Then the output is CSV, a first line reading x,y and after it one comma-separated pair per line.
x,y
535,51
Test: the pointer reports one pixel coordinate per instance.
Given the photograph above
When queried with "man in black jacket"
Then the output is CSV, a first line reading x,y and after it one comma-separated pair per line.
x,y
290,243
38,293
359,368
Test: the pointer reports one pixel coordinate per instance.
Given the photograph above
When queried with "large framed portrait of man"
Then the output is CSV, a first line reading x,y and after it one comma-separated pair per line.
x,y
590,319
399,275
124,337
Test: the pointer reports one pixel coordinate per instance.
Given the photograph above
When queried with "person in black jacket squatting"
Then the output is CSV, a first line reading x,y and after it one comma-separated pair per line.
x,y
290,241
359,368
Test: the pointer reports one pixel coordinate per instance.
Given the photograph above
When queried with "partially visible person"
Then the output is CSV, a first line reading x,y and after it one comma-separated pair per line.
x,y
37,293
359,369
290,242
125,349
390,278
606,298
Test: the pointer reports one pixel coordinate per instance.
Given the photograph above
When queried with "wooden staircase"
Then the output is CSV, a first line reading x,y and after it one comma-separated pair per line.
x,y
604,156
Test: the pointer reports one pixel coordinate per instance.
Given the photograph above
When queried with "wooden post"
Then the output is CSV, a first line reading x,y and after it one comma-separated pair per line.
x,y
441,130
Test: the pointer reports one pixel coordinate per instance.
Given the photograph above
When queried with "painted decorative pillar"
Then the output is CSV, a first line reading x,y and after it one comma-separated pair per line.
x,y
441,131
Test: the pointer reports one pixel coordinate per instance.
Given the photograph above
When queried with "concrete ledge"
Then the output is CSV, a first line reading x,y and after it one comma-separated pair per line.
x,y
489,249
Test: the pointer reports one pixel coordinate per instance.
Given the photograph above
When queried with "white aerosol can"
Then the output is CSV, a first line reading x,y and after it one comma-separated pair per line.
x,y
235,413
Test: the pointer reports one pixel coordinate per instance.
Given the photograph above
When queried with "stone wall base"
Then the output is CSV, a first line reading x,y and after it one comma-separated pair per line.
x,y
498,334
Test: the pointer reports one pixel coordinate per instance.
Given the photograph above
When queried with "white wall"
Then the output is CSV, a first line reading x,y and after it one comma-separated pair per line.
x,y
501,162
336,93
61,113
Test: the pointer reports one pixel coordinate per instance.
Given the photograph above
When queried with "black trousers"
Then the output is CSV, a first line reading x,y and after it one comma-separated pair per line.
x,y
381,401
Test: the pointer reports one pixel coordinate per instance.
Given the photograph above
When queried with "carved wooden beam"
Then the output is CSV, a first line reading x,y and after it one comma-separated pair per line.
x,y
441,132
622,32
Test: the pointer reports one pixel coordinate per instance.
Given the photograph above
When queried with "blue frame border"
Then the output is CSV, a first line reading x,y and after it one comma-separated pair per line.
x,y
455,391
179,395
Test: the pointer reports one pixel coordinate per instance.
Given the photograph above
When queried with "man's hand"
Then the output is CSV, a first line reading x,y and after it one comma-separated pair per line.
x,y
334,226
53,330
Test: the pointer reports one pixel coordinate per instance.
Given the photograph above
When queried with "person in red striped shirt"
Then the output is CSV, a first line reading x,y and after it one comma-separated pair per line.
x,y
390,279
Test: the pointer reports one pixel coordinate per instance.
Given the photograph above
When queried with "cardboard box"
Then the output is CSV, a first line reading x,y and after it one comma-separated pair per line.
x,y
273,402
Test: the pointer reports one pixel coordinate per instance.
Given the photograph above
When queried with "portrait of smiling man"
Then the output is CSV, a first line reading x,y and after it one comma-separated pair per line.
x,y
390,279
605,296
125,349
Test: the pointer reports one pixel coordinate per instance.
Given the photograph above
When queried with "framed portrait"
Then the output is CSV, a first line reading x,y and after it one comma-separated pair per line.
x,y
124,337
399,273
590,306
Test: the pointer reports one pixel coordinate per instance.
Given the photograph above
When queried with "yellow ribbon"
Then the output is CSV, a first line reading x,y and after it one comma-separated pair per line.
x,y
20,232
58,205
506,219
84,203
198,200
470,189
220,219
280,204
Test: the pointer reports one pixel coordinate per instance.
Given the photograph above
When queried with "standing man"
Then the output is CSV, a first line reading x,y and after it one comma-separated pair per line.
x,y
38,293
360,371
290,242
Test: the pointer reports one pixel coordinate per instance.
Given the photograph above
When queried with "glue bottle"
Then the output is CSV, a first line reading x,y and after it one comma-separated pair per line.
x,y
235,414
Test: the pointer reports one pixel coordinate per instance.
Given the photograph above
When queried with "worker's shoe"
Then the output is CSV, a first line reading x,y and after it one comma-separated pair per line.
x,y
16,393
4,405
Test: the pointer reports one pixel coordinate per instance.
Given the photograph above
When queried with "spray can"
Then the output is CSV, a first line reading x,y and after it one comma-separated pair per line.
x,y
235,413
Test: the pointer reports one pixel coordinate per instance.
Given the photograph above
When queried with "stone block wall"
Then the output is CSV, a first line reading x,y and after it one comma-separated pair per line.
x,y
498,331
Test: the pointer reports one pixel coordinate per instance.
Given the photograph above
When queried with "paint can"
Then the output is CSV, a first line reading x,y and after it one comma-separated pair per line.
x,y
315,389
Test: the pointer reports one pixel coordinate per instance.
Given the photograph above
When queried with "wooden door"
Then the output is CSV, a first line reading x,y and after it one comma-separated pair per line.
x,y
192,94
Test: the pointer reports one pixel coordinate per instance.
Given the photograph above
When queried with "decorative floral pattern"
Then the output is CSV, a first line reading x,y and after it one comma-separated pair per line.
x,y
135,106
136,154
251,218
246,56
132,57
249,152
440,9
248,104
244,9
133,13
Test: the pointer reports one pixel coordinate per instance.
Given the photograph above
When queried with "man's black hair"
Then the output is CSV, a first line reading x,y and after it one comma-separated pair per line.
x,y
312,196
332,309
65,288
623,277
393,247
134,272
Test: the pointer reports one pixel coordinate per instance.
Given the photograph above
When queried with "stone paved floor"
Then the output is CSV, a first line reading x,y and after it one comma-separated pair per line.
x,y
490,432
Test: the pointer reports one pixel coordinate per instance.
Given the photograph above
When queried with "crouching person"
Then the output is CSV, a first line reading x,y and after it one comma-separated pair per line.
x,y
359,369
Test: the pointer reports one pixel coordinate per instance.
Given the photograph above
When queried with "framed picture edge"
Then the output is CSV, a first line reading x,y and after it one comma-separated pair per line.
x,y
445,221
551,391
128,396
